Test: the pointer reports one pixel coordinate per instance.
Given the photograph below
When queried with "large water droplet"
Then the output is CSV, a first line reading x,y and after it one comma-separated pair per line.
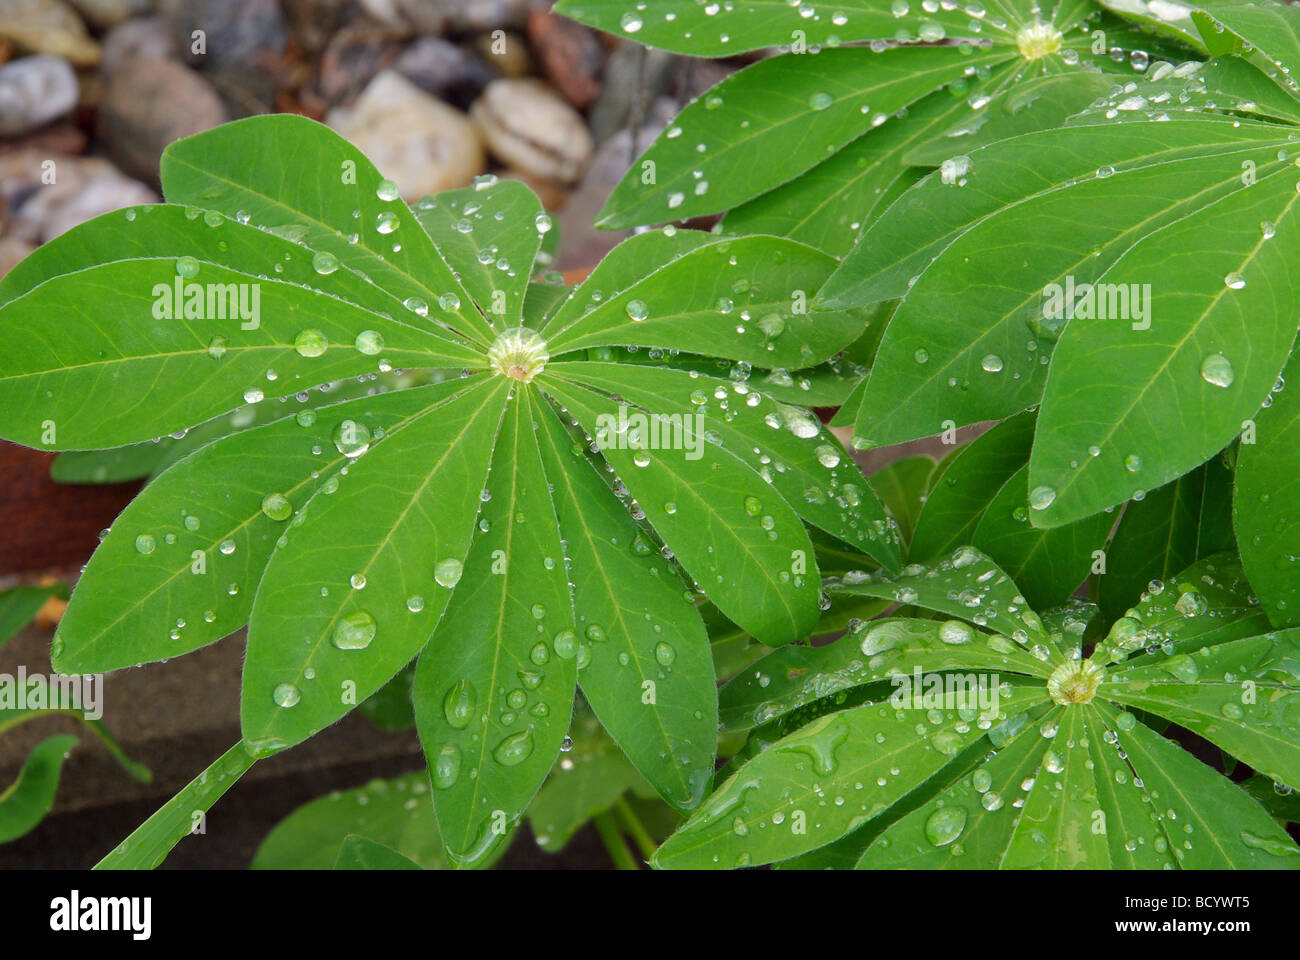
x,y
354,631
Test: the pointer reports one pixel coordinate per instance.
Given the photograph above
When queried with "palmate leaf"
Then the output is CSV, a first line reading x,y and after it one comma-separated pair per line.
x,y
1107,429
838,127
1045,775
484,522
392,813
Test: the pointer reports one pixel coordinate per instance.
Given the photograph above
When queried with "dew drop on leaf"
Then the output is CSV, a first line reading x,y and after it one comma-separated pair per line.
x,y
459,704
286,695
1216,369
354,631
945,825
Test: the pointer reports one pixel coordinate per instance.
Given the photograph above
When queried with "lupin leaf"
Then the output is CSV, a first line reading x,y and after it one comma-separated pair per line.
x,y
1047,565
26,801
966,584
742,299
361,853
494,687
1268,470
160,584
827,779
376,559
395,813
649,677
738,538
481,228
968,484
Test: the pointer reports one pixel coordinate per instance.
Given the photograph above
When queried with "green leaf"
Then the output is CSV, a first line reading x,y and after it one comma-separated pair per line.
x,y
742,299
1277,798
20,604
88,386
590,781
365,564
827,206
961,348
1156,402
1208,603
1038,103
299,178
494,687
114,465
1241,695
774,807
394,813
738,539
792,111
785,445
1103,791
684,26
967,486
1047,565
159,585
902,485
1268,32
483,229
27,800
360,853
1268,470
1157,537
649,676
793,676
149,843
966,584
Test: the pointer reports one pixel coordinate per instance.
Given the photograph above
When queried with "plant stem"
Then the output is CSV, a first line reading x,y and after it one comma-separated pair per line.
x,y
635,828
614,842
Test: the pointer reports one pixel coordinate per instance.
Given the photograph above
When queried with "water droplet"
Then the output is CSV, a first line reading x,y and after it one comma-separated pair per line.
x,y
820,100
277,507
187,267
665,654
630,23
459,704
1216,369
387,190
324,262
448,572
286,695
354,631
145,544
369,342
514,749
310,343
1040,498
637,310
446,768
945,825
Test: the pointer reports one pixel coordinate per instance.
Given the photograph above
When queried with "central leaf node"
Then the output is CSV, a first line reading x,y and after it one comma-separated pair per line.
x,y
1075,682
519,353
1038,40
